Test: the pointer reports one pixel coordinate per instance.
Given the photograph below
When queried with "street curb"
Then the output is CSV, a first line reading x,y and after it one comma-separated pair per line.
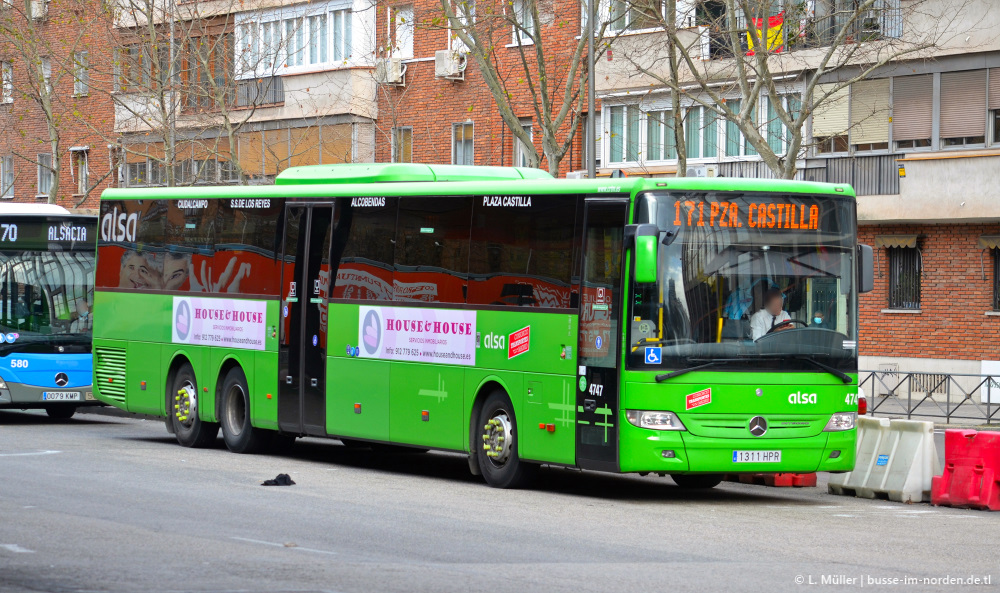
x,y
114,412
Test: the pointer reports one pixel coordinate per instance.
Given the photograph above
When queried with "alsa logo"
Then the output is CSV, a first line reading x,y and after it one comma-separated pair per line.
x,y
492,341
119,226
801,398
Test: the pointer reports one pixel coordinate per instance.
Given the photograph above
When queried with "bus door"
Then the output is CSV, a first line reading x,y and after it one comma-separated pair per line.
x,y
600,309
305,281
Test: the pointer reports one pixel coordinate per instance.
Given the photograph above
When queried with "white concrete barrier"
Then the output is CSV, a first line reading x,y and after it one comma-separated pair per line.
x,y
896,459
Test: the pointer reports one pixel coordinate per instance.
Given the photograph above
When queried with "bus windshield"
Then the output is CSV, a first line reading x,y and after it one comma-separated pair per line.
x,y
760,281
45,300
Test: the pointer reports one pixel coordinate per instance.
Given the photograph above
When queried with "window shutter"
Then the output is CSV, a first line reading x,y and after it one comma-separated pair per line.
x,y
994,97
831,117
963,104
912,107
870,111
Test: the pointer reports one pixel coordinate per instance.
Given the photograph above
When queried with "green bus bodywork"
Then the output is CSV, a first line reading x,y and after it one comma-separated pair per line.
x,y
435,405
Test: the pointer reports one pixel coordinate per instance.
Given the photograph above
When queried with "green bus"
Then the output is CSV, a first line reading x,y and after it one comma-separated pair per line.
x,y
609,324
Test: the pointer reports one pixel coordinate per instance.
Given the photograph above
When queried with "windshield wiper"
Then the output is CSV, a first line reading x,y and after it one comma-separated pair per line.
x,y
711,363
836,373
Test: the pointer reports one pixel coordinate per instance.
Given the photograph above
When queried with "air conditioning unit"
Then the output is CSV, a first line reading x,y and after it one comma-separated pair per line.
x,y
450,64
703,171
390,71
39,9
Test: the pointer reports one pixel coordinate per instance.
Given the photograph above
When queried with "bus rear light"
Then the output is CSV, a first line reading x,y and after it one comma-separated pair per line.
x,y
654,420
841,421
862,403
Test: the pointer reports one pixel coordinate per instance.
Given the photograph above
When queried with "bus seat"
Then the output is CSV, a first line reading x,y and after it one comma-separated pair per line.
x,y
735,329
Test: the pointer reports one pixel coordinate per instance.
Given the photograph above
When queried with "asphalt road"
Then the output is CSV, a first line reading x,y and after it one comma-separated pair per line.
x,y
113,504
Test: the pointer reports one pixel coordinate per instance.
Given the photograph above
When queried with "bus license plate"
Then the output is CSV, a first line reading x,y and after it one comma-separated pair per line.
x,y
60,396
756,456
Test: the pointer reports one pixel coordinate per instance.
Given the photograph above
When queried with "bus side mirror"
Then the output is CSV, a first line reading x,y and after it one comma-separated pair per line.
x,y
866,269
646,241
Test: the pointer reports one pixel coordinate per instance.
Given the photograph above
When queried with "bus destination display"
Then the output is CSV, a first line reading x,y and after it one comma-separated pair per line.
x,y
42,234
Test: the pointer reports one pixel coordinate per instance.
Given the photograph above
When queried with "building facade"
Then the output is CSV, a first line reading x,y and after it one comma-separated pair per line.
x,y
434,103
55,123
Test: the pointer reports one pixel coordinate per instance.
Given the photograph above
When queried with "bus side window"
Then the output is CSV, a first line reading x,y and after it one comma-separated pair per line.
x,y
432,249
522,255
363,248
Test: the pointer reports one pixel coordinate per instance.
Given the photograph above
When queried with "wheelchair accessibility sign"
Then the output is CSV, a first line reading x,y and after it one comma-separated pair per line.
x,y
653,355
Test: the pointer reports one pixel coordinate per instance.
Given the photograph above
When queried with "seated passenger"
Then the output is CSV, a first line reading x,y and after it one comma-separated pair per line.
x,y
770,316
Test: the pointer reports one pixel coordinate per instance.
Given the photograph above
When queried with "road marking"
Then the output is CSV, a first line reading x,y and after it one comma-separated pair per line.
x,y
279,545
32,453
16,549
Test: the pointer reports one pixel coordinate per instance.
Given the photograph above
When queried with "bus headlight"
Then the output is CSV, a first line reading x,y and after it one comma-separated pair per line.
x,y
654,420
3,384
841,421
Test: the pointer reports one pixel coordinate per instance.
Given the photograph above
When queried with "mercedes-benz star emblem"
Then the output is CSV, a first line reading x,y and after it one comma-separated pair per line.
x,y
61,379
757,426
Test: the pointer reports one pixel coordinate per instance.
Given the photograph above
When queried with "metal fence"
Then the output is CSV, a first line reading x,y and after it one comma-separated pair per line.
x,y
874,175
963,397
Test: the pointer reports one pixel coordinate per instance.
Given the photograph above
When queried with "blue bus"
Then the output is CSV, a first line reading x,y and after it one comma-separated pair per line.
x,y
46,295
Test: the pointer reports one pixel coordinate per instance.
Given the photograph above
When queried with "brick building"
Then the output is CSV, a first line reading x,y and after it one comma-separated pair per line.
x,y
435,106
47,65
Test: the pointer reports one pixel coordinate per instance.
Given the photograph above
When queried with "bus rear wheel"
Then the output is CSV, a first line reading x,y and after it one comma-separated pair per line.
x,y
189,429
61,413
697,482
497,446
239,434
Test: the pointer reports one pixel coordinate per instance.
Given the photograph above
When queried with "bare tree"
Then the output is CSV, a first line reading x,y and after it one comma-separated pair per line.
x,y
708,50
41,64
547,77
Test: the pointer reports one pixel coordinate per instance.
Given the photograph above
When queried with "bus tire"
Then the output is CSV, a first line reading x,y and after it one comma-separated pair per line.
x,y
189,429
61,413
696,481
496,445
234,413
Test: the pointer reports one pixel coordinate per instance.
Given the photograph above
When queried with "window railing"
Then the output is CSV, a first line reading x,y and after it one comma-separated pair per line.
x,y
269,90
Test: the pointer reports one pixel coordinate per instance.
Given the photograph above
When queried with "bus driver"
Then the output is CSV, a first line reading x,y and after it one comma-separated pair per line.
x,y
770,316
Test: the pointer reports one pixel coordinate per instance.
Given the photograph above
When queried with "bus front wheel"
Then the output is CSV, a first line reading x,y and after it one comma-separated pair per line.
x,y
239,434
697,482
189,429
497,447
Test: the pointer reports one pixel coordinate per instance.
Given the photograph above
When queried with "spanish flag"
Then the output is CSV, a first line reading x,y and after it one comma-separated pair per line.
x,y
775,33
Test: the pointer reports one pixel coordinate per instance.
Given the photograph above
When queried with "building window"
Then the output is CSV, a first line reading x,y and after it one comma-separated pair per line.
x,y
736,143
44,174
462,144
341,35
47,74
401,32
294,43
520,150
524,22
136,174
402,145
870,115
80,170
831,119
904,278
996,279
6,82
963,108
660,142
624,133
81,73
7,177
912,111
701,131
636,15
318,43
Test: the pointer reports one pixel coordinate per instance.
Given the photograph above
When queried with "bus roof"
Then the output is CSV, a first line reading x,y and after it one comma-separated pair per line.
x,y
325,181
30,209
400,173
